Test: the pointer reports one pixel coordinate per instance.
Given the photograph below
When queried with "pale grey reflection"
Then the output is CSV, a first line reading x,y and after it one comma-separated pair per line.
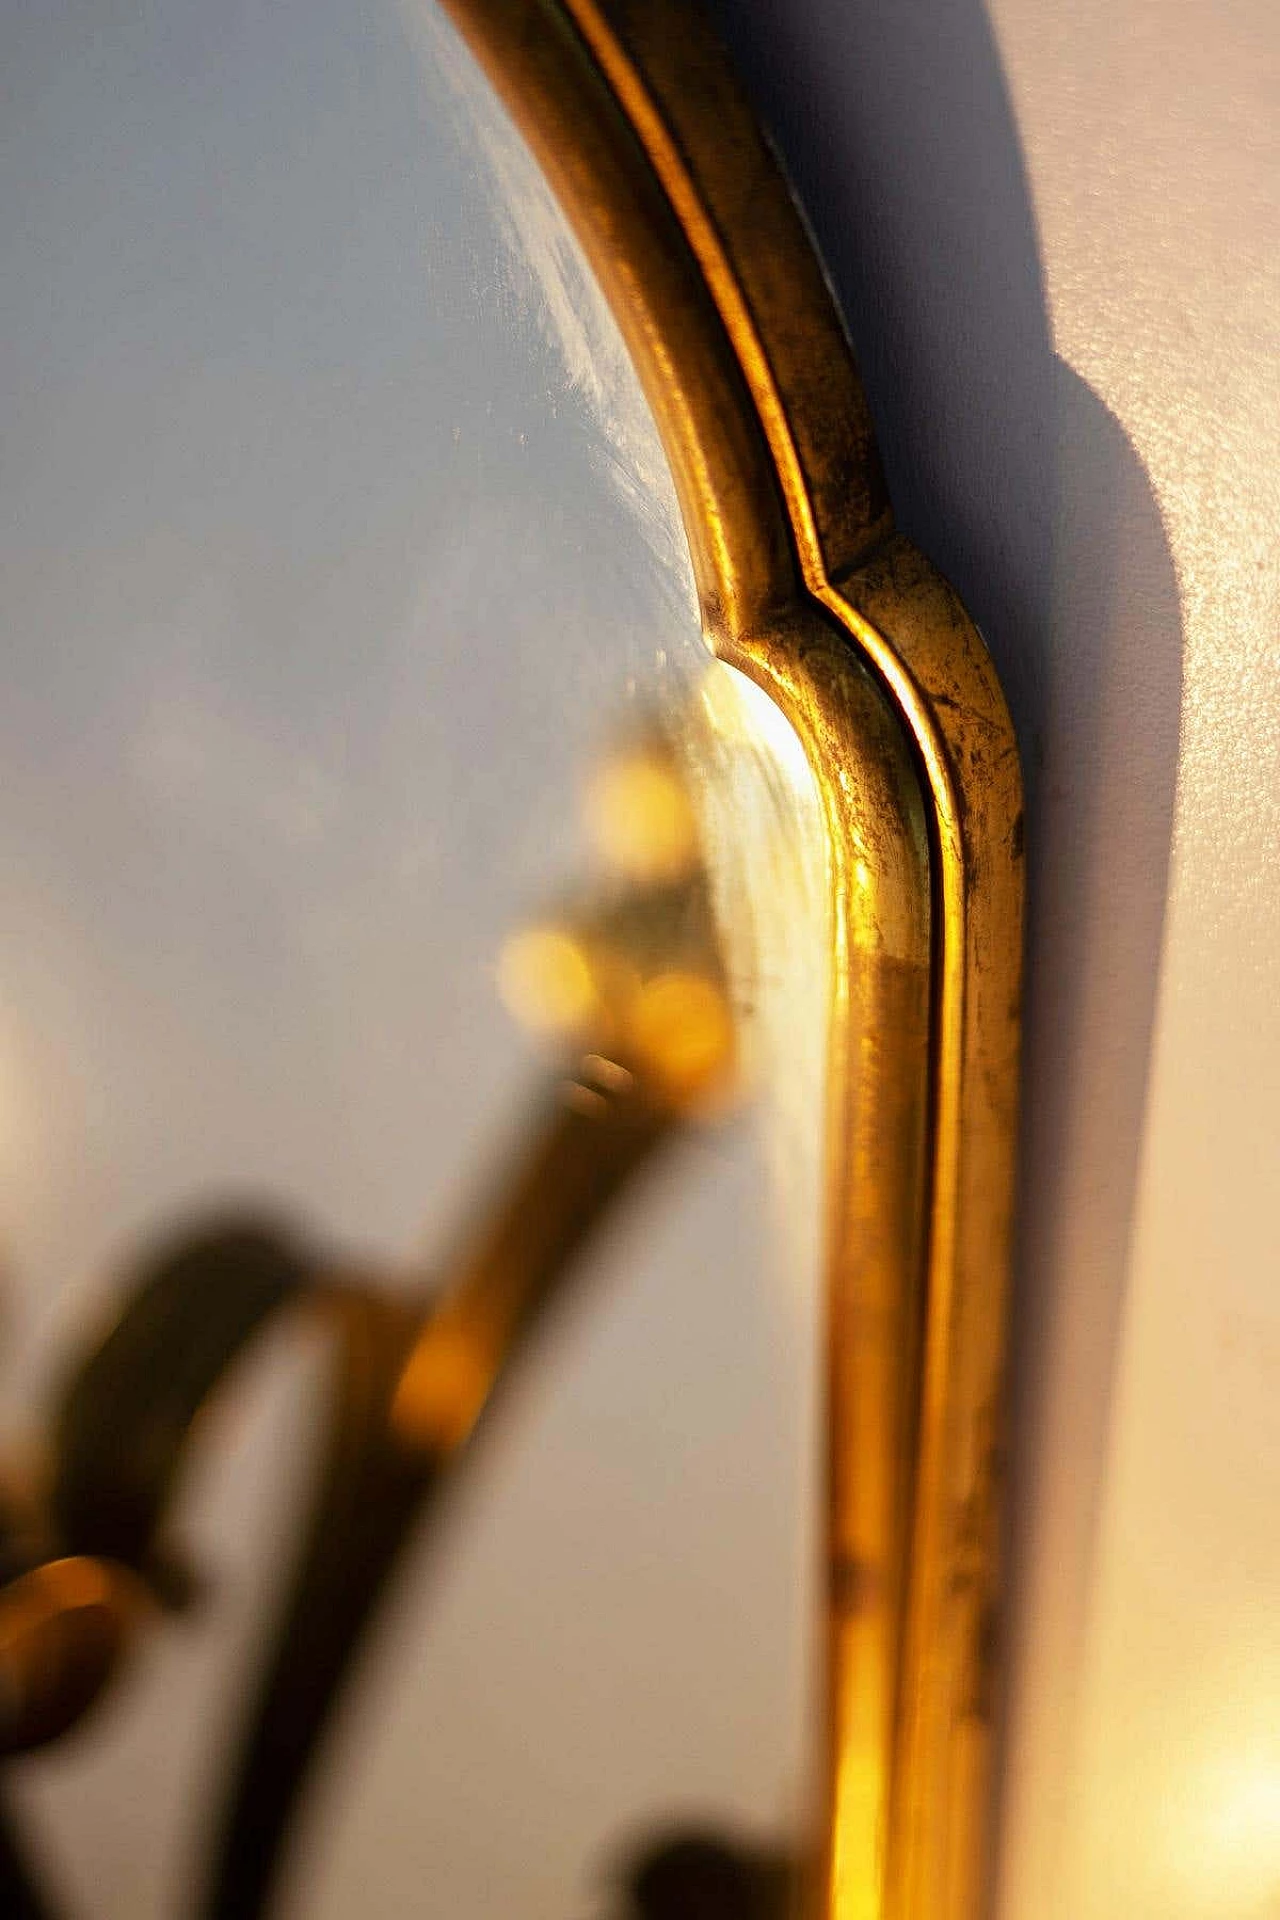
x,y
335,534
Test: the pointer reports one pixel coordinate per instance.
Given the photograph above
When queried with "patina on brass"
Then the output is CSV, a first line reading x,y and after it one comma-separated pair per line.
x,y
807,588
805,585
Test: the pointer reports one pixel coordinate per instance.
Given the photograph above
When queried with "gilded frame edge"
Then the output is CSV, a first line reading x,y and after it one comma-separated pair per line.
x,y
805,585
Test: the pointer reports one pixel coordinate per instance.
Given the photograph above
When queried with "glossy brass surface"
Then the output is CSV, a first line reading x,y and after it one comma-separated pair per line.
x,y
805,586
63,1628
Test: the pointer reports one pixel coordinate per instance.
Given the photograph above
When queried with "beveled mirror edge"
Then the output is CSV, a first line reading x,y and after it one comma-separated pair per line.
x,y
804,585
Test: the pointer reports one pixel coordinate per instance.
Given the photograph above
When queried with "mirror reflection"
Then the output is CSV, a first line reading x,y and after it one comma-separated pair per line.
x,y
352,662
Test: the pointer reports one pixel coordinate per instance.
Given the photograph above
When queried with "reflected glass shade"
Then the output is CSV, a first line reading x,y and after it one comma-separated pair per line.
x,y
340,548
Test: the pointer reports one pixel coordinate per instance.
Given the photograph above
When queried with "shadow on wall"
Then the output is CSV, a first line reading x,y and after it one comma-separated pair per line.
x,y
896,124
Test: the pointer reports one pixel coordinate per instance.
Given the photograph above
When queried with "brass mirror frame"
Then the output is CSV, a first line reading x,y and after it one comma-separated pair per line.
x,y
806,587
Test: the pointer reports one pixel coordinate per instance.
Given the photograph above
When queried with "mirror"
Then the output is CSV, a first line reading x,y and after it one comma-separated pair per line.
x,y
341,547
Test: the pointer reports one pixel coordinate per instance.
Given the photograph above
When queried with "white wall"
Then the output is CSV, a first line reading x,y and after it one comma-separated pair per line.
x,y
1055,230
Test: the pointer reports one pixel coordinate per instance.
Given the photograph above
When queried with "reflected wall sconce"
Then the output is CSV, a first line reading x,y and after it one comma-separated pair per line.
x,y
808,589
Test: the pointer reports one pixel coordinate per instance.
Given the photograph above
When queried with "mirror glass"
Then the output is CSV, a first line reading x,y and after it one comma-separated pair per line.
x,y
338,547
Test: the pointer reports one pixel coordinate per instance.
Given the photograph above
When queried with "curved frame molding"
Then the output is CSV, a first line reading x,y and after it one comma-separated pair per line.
x,y
806,586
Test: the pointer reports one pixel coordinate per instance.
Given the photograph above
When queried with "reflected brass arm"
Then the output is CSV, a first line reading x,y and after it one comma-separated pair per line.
x,y
653,1043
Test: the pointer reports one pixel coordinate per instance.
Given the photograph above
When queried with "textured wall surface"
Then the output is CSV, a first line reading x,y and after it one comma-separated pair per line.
x,y
1054,231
